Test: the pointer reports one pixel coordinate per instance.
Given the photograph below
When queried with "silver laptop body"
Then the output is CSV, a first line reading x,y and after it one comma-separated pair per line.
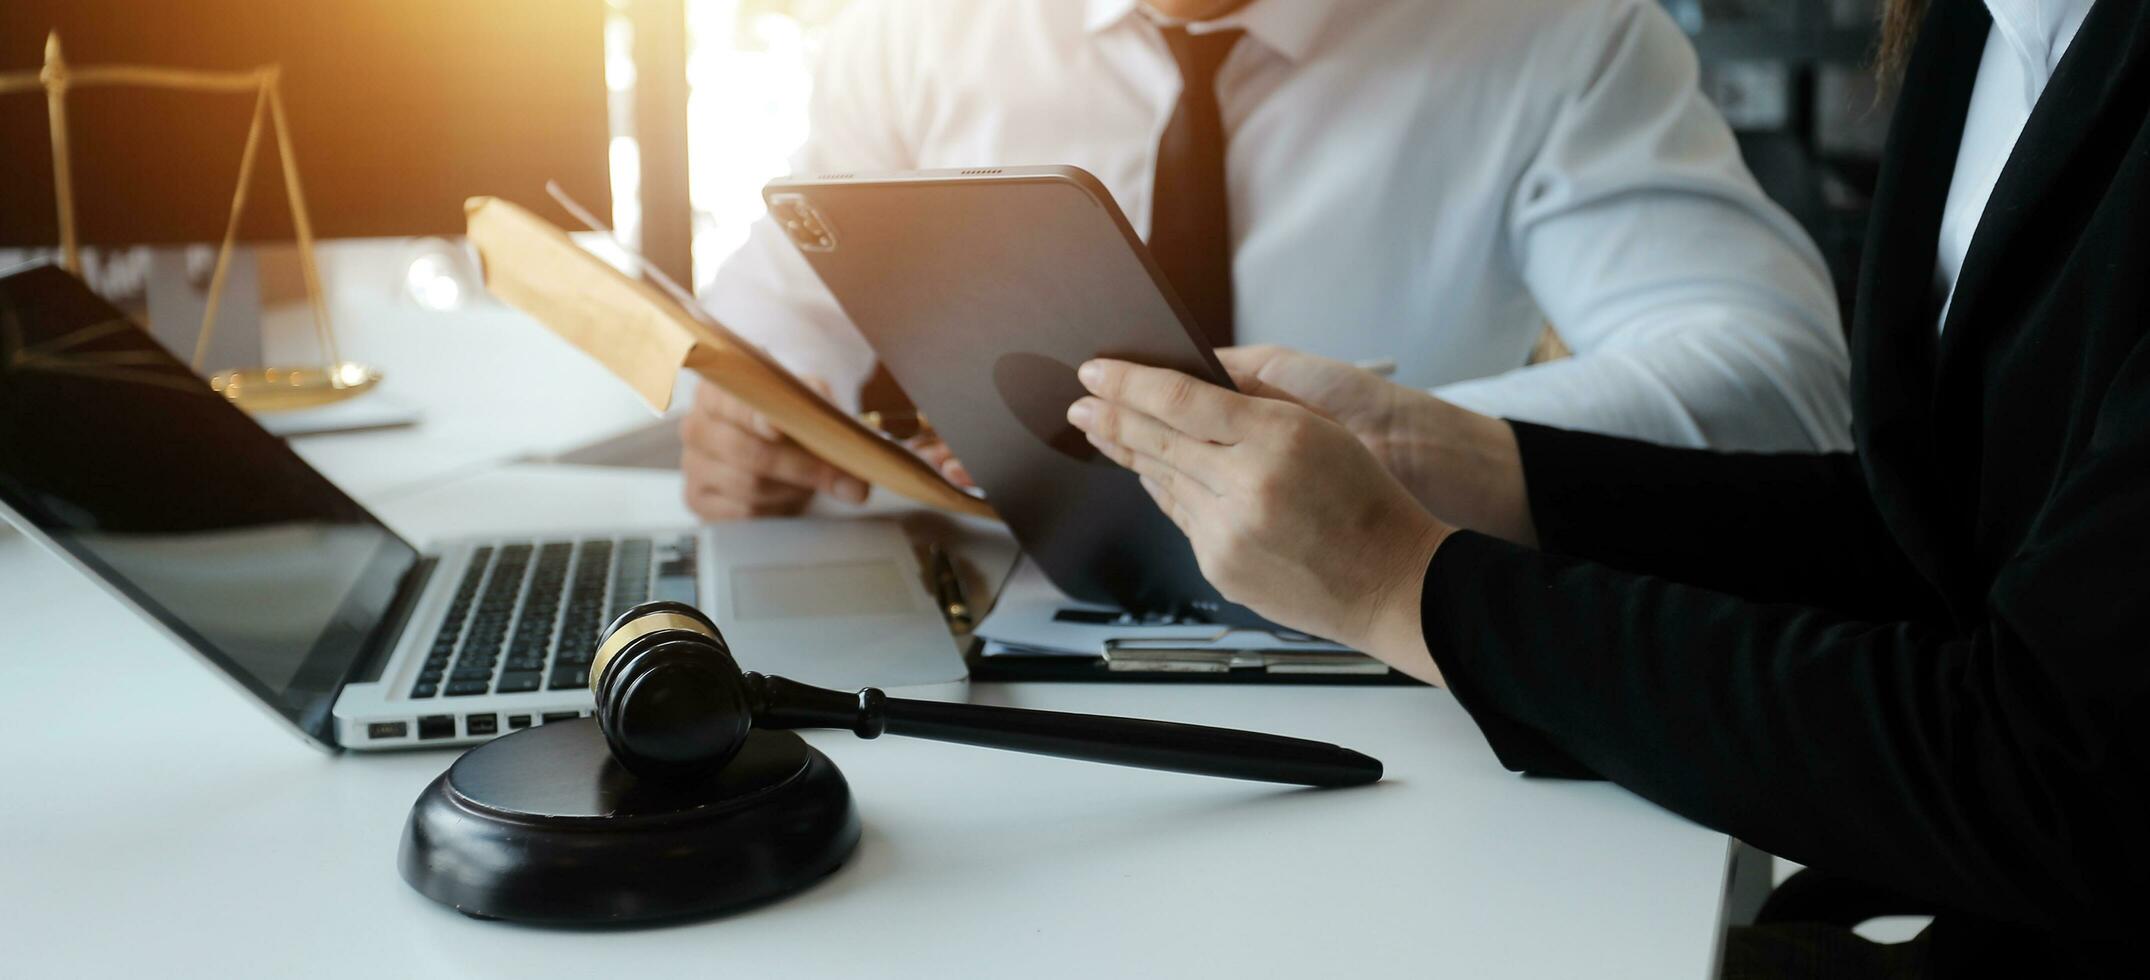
x,y
114,455
501,637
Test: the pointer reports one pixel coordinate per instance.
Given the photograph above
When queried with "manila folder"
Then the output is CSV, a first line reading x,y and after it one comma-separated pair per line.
x,y
645,338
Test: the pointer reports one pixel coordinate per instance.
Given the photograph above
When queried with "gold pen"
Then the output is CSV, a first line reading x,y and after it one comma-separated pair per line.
x,y
948,589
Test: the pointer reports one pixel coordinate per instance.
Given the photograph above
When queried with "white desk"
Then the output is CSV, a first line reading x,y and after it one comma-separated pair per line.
x,y
491,385
155,824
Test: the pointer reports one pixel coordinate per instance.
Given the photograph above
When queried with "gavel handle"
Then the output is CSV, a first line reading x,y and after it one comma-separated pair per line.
x,y
781,703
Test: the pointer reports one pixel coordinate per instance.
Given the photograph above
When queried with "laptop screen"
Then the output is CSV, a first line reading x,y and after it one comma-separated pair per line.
x,y
121,456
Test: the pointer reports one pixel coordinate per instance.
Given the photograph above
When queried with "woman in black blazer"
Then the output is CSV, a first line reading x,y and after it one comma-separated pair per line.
x,y
1922,666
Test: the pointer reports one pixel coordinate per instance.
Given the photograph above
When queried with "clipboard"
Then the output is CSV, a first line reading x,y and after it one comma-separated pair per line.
x,y
1013,668
646,338
1037,633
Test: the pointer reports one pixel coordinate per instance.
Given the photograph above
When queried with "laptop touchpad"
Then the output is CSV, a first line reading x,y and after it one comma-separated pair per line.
x,y
864,588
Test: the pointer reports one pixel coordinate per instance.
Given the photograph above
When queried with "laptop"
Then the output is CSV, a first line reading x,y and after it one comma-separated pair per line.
x,y
119,458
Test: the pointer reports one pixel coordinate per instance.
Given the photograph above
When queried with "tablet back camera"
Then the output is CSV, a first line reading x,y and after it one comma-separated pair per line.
x,y
807,227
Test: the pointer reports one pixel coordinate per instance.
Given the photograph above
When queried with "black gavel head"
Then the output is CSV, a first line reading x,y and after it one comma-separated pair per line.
x,y
670,698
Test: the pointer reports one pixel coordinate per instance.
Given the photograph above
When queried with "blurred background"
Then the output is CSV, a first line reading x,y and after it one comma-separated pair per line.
x,y
663,116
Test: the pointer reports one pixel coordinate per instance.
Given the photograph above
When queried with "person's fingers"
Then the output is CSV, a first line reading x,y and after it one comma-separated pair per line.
x,y
933,451
696,434
714,475
1202,410
736,461
944,461
1158,471
1245,364
843,486
714,508
716,403
1135,431
718,507
1253,368
834,482
1253,383
717,493
710,441
711,506
784,462
956,473
936,454
1170,505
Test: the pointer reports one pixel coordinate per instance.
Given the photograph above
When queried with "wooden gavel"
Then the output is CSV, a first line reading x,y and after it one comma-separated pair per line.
x,y
672,702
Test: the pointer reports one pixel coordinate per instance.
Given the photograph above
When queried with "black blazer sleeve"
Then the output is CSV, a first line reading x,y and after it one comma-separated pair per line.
x,y
1998,769
1704,517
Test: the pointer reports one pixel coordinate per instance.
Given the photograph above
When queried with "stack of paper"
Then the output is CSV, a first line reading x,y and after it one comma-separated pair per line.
x,y
1034,618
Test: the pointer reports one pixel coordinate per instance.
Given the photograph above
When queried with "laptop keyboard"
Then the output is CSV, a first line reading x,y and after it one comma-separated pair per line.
x,y
526,615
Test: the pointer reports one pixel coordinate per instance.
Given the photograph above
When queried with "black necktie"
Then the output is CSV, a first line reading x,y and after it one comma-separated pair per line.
x,y
1190,221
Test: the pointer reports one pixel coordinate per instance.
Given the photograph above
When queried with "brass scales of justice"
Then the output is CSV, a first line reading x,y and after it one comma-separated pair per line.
x,y
260,389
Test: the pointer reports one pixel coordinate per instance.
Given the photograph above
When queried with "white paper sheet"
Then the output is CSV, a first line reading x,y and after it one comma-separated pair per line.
x,y
1026,620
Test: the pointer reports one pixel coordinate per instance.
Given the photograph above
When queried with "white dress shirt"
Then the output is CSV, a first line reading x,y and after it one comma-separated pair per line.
x,y
1428,182
2025,45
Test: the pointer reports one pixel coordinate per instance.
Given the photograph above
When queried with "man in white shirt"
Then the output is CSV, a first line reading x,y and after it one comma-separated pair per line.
x,y
1428,183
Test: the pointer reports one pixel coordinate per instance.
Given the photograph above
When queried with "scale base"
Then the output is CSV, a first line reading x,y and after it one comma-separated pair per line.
x,y
543,826
290,389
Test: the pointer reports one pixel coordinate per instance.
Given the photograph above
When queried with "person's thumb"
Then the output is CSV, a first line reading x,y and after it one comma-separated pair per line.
x,y
841,485
1246,364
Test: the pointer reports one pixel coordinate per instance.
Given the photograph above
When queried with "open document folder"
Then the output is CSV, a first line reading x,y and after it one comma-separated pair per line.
x,y
1033,618
646,339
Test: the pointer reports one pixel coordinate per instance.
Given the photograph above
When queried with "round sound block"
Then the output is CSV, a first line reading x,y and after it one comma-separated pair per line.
x,y
543,826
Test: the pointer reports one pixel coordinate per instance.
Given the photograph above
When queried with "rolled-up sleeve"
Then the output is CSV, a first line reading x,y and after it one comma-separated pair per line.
x,y
1699,312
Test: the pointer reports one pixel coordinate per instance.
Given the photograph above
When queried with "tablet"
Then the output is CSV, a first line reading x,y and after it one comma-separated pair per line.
x,y
982,290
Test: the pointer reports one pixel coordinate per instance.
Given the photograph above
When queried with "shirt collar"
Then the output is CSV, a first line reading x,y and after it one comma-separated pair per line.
x,y
2038,30
1288,27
